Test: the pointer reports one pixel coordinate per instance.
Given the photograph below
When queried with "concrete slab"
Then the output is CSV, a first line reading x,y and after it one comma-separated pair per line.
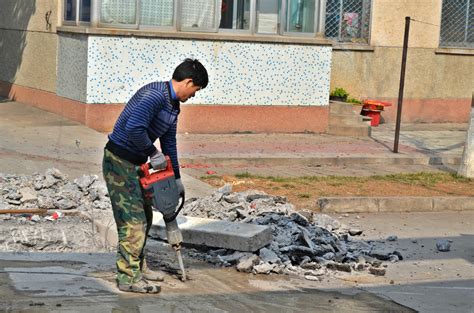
x,y
216,233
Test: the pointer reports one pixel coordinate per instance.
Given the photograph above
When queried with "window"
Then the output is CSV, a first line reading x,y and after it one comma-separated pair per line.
x,y
157,13
70,10
268,16
301,16
348,20
345,20
200,15
118,12
235,14
85,11
457,23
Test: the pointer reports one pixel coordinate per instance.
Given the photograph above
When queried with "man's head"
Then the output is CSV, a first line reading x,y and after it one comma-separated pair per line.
x,y
189,77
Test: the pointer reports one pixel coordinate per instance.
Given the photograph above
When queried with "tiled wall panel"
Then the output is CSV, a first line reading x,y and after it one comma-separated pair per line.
x,y
240,73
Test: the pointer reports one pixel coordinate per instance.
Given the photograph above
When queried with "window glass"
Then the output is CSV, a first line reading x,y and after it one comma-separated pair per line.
x,y
267,16
85,11
300,16
199,14
70,10
348,20
157,13
235,14
457,23
118,11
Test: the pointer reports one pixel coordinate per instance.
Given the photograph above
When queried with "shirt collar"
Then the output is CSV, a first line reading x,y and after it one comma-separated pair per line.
x,y
173,94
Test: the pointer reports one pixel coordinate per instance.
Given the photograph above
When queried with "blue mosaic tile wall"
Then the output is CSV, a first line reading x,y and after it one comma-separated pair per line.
x,y
239,73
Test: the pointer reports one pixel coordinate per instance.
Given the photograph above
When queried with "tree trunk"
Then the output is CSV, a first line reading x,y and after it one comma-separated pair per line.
x,y
467,162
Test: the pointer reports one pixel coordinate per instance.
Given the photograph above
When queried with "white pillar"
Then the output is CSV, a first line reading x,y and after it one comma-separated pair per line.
x,y
467,162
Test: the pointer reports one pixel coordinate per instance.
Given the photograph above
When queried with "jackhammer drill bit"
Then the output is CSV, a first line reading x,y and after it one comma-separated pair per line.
x,y
177,248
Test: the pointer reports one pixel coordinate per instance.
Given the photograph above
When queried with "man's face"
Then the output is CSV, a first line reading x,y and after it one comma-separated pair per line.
x,y
188,91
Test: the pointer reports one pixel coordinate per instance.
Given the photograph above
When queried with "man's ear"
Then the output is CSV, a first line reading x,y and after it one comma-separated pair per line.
x,y
188,81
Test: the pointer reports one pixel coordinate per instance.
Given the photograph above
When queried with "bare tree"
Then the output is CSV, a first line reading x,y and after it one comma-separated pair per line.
x,y
467,162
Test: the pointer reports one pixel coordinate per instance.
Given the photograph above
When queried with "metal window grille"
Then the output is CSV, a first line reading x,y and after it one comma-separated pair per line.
x,y
348,20
457,23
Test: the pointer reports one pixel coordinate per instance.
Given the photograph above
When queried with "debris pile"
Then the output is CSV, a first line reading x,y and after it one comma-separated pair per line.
x,y
37,221
52,191
308,245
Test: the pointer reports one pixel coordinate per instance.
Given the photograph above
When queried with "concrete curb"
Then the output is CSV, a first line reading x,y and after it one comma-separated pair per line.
x,y
393,204
323,160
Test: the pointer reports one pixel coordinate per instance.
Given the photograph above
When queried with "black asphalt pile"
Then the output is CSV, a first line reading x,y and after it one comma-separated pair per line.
x,y
305,244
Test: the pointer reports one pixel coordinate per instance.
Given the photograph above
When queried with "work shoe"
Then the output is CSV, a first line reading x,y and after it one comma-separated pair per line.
x,y
152,275
141,286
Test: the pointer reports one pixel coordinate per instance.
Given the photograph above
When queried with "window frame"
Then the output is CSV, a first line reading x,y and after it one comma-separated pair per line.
x,y
457,45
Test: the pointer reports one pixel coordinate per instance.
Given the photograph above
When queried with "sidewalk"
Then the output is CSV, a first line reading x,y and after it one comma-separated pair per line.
x,y
34,140
422,147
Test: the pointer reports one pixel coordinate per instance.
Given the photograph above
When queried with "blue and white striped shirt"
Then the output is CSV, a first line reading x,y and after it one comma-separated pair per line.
x,y
150,114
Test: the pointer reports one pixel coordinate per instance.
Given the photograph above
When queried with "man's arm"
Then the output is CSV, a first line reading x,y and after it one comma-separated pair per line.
x,y
168,147
140,119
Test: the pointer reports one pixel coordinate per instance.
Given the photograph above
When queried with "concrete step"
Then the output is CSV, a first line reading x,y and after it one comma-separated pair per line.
x,y
343,107
349,131
345,119
216,233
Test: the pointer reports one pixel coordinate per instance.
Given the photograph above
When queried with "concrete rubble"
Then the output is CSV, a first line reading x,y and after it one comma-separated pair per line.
x,y
305,244
51,193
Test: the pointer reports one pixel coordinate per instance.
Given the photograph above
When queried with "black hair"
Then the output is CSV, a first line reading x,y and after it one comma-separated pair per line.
x,y
192,68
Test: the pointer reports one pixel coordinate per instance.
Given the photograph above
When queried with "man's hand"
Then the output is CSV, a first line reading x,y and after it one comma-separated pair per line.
x,y
158,161
180,186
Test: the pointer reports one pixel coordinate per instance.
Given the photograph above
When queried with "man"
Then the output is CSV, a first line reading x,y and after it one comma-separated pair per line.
x,y
152,113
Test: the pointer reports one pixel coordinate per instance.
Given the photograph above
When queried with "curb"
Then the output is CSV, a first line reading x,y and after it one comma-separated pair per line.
x,y
393,204
315,161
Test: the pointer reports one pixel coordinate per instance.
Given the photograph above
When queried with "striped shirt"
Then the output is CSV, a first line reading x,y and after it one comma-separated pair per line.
x,y
150,114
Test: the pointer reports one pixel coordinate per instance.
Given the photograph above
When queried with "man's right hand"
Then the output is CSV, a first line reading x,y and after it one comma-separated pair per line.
x,y
158,161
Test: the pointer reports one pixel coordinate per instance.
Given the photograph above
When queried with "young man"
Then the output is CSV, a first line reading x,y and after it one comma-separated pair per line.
x,y
150,114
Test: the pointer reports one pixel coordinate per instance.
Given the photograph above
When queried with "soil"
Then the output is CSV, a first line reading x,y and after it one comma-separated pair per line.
x,y
303,194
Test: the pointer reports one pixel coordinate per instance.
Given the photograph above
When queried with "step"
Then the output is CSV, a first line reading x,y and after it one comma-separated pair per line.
x,y
345,119
343,107
349,131
216,233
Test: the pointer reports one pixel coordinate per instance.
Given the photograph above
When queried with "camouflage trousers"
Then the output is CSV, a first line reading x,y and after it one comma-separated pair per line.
x,y
132,213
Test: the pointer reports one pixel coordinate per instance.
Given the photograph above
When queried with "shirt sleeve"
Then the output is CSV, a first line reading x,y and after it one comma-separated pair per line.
x,y
168,147
140,118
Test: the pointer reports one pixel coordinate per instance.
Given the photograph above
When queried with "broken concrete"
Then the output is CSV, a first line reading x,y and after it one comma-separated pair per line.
x,y
297,242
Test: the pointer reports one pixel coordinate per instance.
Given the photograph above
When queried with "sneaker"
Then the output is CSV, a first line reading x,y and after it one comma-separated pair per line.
x,y
149,274
141,286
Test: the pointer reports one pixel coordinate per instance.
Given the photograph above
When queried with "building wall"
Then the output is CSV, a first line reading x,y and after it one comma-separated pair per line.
x,y
28,48
438,87
239,73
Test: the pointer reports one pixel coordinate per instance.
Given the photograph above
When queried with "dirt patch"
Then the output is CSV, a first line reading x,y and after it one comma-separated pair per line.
x,y
303,192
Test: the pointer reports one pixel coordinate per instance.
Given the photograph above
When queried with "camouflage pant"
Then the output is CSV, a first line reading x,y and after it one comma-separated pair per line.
x,y
133,215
